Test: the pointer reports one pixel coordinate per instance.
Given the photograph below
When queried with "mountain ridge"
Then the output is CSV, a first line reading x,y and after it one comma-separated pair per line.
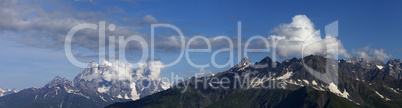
x,y
90,88
358,84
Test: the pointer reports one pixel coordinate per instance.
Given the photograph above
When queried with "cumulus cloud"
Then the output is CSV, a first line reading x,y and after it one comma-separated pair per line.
x,y
155,68
292,38
109,71
150,69
370,54
116,71
302,33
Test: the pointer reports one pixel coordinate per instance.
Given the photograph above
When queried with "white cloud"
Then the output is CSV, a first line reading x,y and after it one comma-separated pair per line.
x,y
108,71
150,69
301,31
114,71
155,69
370,54
150,19
201,72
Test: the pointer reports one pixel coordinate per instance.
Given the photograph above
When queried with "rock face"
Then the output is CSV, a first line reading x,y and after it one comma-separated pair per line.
x,y
97,86
394,68
58,81
366,63
360,83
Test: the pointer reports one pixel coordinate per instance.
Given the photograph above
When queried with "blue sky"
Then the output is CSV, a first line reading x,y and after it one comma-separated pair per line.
x,y
32,33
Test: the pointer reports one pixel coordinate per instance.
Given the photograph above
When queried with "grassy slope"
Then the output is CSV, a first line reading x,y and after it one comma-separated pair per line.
x,y
303,97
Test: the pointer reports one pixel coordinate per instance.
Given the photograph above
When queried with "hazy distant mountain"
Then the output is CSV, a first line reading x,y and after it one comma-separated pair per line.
x,y
7,91
360,83
92,88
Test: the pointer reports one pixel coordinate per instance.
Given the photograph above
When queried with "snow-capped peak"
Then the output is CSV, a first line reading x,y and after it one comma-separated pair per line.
x,y
121,80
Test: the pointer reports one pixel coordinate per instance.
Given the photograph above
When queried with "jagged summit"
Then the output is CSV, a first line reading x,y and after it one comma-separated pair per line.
x,y
394,68
244,63
58,80
340,79
367,63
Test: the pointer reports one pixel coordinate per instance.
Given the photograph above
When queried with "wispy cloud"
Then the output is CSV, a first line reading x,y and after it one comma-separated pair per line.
x,y
399,50
36,26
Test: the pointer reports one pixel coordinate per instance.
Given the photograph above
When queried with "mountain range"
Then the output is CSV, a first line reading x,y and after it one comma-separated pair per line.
x,y
360,83
97,86
267,83
7,91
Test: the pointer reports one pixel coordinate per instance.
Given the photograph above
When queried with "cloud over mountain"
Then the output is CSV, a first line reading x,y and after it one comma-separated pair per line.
x,y
150,69
371,54
115,71
302,33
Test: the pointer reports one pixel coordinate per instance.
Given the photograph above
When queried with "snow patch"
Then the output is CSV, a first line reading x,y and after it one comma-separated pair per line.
x,y
394,90
165,85
103,89
379,67
134,94
313,82
126,97
305,81
379,94
319,88
102,98
210,84
285,76
387,99
294,82
334,89
70,90
119,96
